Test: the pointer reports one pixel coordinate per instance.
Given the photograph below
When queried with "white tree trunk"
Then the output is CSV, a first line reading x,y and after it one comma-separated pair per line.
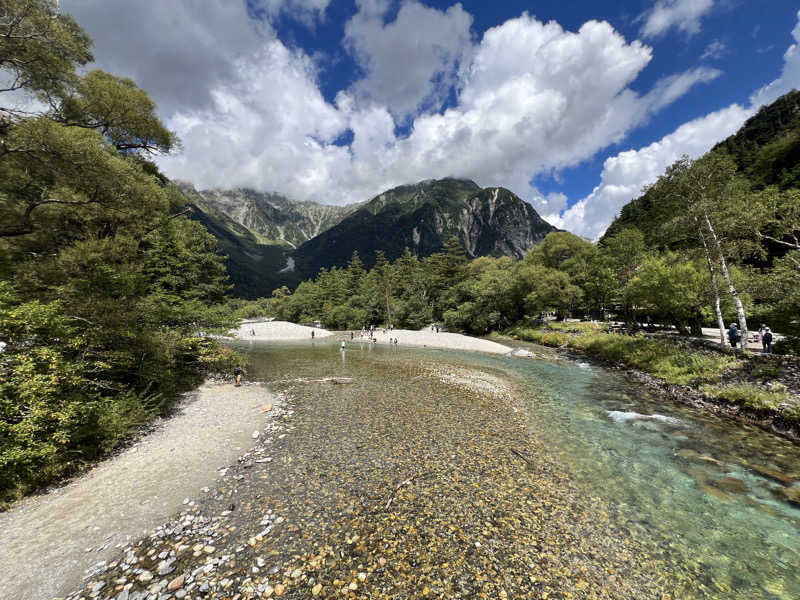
x,y
714,287
723,267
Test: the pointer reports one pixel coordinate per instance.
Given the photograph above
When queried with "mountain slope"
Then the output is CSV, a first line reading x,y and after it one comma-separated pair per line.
x,y
272,218
421,217
766,151
255,269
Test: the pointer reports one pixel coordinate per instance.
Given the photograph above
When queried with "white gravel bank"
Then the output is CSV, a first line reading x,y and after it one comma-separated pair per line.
x,y
277,331
47,542
431,339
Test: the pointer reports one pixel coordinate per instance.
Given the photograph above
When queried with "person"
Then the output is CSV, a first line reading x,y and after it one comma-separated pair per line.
x,y
351,336
761,331
733,335
312,335
238,371
395,341
343,344
766,340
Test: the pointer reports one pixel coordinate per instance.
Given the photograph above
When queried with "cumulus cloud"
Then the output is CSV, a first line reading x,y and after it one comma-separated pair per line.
x,y
626,174
533,98
685,15
411,62
790,75
179,51
528,97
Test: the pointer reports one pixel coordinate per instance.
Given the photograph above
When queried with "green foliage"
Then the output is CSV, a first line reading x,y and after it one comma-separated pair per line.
x,y
674,363
757,397
111,281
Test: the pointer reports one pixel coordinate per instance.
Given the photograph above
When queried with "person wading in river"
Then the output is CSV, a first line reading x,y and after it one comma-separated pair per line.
x,y
238,371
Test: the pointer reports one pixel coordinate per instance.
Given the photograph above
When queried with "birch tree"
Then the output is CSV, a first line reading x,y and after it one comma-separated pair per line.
x,y
705,197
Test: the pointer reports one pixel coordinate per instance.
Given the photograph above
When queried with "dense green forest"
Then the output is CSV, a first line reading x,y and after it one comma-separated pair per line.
x,y
104,281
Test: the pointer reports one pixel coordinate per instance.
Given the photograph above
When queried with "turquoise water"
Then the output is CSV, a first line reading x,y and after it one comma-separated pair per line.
x,y
708,489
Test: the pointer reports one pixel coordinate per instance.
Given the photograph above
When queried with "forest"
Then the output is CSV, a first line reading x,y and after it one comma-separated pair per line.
x,y
105,283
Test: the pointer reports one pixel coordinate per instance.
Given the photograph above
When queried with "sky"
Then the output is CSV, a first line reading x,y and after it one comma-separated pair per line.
x,y
575,106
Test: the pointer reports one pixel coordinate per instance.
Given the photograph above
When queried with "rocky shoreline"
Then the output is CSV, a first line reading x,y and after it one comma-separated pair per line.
x,y
683,394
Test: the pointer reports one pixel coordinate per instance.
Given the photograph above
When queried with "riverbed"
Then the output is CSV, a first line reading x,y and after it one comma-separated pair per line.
x,y
406,473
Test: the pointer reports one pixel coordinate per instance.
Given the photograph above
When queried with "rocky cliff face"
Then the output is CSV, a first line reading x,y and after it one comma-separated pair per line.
x,y
271,217
488,222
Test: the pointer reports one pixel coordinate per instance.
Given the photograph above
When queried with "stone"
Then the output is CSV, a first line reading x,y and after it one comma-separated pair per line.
x,y
773,474
268,590
255,435
280,589
209,549
123,595
791,495
266,408
296,573
145,577
176,583
316,589
731,484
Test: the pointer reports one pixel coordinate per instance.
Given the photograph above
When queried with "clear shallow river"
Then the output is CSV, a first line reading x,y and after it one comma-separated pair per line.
x,y
708,489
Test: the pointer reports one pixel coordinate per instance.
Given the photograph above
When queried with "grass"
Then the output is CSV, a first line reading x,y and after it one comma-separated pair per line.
x,y
760,398
671,362
674,363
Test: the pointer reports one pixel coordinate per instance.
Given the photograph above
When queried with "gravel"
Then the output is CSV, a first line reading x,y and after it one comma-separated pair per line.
x,y
49,542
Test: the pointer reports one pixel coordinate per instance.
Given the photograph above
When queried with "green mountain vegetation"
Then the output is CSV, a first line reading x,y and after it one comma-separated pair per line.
x,y
421,217
104,280
255,267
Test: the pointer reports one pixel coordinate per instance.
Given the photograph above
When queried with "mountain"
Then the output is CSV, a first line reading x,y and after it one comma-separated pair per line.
x,y
270,217
766,150
255,268
488,222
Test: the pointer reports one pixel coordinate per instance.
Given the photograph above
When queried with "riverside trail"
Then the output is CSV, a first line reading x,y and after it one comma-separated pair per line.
x,y
48,541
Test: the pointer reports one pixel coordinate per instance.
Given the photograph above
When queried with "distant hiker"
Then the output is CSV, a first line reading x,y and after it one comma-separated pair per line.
x,y
733,335
343,344
761,331
437,329
766,340
351,336
312,334
395,341
238,371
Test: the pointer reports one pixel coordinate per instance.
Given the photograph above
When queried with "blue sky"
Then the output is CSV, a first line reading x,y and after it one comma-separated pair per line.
x,y
574,106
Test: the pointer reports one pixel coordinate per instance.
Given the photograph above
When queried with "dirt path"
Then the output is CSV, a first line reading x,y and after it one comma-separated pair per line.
x,y
48,542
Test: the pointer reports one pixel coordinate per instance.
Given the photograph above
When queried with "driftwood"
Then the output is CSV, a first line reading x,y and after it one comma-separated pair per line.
x,y
522,456
397,489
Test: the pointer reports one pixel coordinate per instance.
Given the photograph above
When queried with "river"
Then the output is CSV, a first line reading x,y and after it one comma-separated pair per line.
x,y
707,492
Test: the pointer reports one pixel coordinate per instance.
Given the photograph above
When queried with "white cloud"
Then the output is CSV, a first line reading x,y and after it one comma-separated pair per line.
x,y
685,15
533,98
626,174
412,61
530,97
179,51
790,75
714,50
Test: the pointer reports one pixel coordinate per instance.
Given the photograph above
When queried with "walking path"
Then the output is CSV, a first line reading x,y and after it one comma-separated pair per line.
x,y
47,542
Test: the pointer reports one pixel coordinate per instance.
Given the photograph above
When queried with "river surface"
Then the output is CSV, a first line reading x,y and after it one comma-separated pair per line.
x,y
708,492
